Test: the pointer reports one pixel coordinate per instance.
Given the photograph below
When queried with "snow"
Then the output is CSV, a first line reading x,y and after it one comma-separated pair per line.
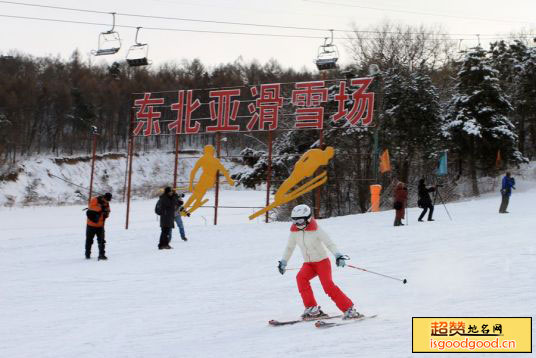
x,y
45,181
472,127
213,295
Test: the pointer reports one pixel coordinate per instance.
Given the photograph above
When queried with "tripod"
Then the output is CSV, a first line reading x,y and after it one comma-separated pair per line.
x,y
438,194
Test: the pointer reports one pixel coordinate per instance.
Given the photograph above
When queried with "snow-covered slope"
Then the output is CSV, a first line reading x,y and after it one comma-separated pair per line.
x,y
64,180
213,295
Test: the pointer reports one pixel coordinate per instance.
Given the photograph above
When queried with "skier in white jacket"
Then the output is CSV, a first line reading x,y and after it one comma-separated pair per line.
x,y
312,241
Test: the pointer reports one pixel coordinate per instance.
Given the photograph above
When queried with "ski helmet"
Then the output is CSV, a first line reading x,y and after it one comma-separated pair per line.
x,y
301,215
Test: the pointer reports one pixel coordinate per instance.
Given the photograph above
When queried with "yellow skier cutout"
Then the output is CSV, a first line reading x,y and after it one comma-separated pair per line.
x,y
309,162
210,165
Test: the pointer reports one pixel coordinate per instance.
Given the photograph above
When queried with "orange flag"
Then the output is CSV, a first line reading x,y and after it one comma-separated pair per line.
x,y
385,163
498,160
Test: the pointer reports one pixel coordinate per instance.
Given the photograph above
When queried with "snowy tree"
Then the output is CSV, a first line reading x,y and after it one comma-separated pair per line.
x,y
287,149
477,120
516,64
526,94
411,122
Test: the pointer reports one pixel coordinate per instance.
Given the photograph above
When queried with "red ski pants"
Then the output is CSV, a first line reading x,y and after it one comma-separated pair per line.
x,y
322,269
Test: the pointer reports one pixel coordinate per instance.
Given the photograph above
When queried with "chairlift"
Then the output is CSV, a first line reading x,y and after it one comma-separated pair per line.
x,y
137,53
109,41
328,54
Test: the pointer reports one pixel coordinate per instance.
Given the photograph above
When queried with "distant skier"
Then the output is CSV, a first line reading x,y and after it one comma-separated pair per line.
x,y
165,208
97,213
312,241
508,183
179,208
425,202
401,198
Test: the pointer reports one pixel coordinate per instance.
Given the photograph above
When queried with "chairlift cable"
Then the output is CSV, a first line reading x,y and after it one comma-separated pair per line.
x,y
218,32
415,12
163,28
228,22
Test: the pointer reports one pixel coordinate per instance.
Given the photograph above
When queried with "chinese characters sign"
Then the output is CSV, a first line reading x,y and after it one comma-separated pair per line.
x,y
452,328
258,108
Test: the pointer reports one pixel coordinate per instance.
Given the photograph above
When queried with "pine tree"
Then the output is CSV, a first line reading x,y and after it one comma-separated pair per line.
x,y
525,93
517,73
477,121
411,123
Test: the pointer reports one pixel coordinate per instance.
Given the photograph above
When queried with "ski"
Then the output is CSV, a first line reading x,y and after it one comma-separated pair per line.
x,y
322,324
274,322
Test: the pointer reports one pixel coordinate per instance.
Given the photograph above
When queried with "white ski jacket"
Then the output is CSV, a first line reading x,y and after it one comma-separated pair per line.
x,y
312,242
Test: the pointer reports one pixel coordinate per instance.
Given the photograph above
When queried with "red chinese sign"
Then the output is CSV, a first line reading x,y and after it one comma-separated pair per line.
x,y
184,112
259,109
268,105
146,115
308,96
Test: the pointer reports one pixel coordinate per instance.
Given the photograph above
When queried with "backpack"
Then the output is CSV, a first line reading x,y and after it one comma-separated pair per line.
x,y
93,216
158,208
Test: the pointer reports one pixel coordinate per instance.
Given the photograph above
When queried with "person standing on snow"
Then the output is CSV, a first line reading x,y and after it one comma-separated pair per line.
x,y
508,183
312,241
97,213
179,207
165,207
401,198
425,202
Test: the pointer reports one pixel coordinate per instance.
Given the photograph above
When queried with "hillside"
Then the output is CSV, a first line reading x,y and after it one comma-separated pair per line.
x,y
213,295
64,180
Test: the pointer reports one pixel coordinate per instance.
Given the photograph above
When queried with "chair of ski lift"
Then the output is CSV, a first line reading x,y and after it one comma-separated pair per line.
x,y
328,55
109,42
137,53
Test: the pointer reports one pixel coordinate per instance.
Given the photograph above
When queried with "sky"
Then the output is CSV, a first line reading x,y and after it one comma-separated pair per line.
x,y
40,38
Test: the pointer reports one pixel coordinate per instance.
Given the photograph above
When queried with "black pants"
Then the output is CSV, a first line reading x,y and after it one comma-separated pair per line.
x,y
165,237
90,234
425,209
504,203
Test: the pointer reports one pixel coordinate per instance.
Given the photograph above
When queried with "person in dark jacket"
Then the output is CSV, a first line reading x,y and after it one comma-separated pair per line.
x,y
166,207
401,198
508,183
425,202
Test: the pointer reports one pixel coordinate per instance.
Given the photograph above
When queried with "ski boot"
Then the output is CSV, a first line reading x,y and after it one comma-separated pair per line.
x,y
88,255
351,313
312,313
102,257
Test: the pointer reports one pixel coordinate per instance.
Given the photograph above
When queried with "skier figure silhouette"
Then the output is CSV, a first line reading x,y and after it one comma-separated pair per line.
x,y
305,167
210,166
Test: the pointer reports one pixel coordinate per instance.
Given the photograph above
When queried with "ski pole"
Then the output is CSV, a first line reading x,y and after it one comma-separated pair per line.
x,y
404,281
443,202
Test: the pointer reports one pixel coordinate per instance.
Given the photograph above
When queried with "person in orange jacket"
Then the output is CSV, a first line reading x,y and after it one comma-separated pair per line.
x,y
97,213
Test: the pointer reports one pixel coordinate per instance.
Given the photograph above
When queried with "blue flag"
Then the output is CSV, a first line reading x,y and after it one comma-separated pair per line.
x,y
442,170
